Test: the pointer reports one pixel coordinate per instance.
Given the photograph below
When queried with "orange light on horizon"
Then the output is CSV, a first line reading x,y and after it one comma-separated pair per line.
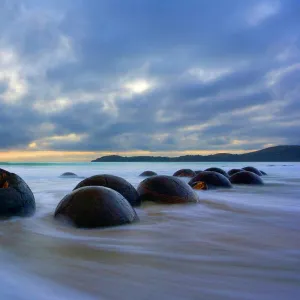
x,y
85,156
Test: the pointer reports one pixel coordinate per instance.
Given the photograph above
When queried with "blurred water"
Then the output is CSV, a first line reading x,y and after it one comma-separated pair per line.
x,y
241,243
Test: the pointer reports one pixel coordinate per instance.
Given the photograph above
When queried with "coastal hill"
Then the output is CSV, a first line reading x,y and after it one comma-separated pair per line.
x,y
272,154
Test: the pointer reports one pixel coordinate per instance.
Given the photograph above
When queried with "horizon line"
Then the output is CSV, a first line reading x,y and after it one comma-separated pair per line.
x,y
15,156
87,156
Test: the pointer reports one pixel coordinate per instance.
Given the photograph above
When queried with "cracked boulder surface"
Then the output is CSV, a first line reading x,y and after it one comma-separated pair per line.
x,y
166,190
199,185
16,198
116,183
95,206
212,180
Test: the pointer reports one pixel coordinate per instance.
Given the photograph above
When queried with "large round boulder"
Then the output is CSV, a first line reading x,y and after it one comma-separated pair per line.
x,y
263,173
218,170
148,174
184,173
114,182
246,177
253,170
166,190
16,198
95,206
198,171
233,171
212,180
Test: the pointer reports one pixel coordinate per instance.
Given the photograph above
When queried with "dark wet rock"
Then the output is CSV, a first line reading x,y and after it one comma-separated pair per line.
x,y
212,179
95,206
218,170
253,170
166,190
233,171
148,174
198,171
246,177
199,185
68,174
263,173
16,198
114,182
184,173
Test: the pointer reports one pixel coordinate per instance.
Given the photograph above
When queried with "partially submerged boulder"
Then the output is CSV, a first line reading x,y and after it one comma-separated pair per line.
x,y
233,171
148,174
218,170
246,177
184,173
253,170
166,190
16,198
68,174
95,206
212,180
198,171
116,183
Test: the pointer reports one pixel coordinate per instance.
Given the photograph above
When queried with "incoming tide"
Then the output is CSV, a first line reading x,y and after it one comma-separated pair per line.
x,y
242,243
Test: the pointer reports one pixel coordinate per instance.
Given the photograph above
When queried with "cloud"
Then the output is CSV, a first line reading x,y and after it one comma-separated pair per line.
x,y
263,11
148,75
11,76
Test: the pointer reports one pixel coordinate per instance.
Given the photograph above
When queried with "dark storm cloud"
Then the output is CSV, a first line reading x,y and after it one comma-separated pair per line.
x,y
65,69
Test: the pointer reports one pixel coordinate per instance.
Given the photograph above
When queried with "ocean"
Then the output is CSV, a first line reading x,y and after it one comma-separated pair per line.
x,y
242,243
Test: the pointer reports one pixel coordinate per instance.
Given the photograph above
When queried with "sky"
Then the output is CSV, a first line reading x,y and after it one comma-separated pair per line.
x,y
81,79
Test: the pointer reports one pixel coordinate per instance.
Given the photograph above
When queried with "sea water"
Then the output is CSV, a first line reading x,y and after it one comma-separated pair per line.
x,y
240,243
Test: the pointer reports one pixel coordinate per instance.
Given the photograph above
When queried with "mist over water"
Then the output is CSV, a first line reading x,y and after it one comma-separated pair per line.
x,y
241,243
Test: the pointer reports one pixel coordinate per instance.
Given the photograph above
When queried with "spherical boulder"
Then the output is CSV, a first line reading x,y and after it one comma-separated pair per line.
x,y
184,173
148,174
212,180
16,198
253,170
166,190
198,171
233,171
199,185
68,174
95,206
246,177
263,173
218,170
114,182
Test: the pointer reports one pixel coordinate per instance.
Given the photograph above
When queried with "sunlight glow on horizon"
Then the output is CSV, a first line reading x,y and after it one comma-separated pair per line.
x,y
86,156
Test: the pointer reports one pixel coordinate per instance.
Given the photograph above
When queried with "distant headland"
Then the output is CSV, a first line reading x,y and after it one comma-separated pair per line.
x,y
285,153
